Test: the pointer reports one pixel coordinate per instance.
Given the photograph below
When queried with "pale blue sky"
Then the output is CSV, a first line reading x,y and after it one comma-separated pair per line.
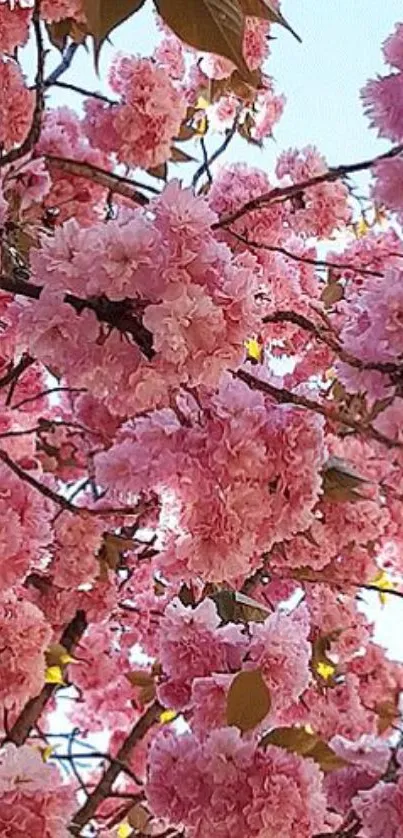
x,y
321,78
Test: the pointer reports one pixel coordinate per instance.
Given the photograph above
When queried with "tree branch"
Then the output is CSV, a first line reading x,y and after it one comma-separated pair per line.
x,y
64,65
76,89
104,787
109,180
283,396
62,501
30,714
279,194
205,167
331,341
33,134
318,263
115,313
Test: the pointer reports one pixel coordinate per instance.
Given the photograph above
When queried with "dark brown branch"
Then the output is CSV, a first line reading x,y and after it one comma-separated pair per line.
x,y
279,194
208,161
109,180
104,787
63,502
64,65
115,313
283,396
16,371
32,711
318,263
33,134
76,89
332,342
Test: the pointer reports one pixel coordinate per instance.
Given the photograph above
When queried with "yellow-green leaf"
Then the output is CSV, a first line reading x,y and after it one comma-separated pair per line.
x,y
168,716
124,830
299,740
54,675
215,26
266,10
248,700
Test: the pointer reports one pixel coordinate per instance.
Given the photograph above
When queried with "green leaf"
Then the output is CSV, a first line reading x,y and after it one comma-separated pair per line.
x,y
266,10
215,26
248,700
300,741
103,16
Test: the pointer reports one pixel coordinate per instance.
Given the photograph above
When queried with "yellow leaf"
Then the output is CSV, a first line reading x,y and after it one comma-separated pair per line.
x,y
254,350
124,830
46,752
54,675
168,716
382,581
248,700
202,103
361,228
325,670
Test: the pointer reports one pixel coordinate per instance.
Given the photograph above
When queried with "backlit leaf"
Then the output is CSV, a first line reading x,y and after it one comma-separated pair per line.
x,y
215,26
54,675
61,30
248,700
265,9
103,16
168,716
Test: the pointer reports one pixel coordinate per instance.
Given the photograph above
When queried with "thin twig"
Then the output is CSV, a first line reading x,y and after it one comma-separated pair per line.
x,y
331,341
64,65
62,501
283,396
76,89
109,180
104,787
33,134
208,161
16,371
48,392
318,263
279,194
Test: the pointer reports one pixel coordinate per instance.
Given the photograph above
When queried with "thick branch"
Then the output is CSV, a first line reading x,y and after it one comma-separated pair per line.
x,y
279,194
104,787
33,134
115,313
283,396
35,707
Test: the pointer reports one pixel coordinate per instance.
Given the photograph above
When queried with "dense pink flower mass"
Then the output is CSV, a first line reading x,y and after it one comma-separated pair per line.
x,y
33,800
226,787
201,431
16,104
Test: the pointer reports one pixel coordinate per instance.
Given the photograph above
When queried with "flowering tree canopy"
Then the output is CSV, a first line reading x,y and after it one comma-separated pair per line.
x,y
201,441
